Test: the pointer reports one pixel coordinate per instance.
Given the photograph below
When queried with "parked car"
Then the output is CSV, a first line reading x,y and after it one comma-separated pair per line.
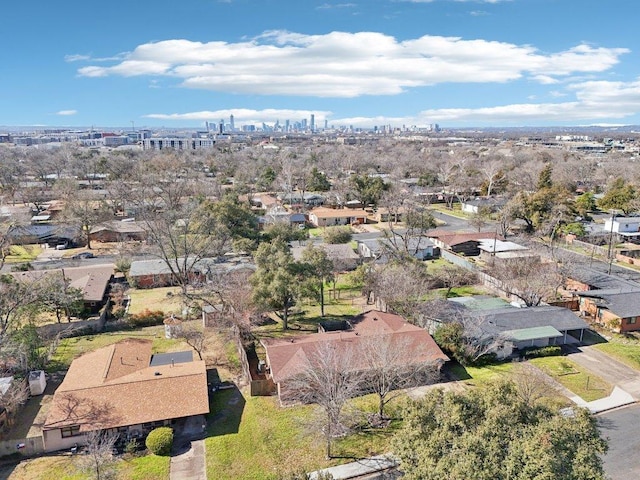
x,y
79,256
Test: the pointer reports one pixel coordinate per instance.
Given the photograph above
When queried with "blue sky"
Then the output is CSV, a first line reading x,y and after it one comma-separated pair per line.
x,y
353,62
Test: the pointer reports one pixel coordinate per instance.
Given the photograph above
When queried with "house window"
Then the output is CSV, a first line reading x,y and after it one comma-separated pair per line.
x,y
631,320
71,431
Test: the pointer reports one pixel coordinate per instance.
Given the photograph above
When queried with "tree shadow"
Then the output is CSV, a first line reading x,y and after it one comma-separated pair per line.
x,y
225,411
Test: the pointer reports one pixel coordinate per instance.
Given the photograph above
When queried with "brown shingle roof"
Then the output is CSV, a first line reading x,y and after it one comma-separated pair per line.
x,y
115,386
451,239
92,280
287,358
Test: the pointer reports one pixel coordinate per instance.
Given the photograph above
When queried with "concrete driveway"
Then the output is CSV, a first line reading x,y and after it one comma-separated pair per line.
x,y
611,370
188,459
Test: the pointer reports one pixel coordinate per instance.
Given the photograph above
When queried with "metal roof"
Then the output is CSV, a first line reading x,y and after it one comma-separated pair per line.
x,y
533,333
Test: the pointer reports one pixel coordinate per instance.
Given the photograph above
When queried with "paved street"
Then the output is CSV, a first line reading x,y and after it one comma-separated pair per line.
x,y
621,427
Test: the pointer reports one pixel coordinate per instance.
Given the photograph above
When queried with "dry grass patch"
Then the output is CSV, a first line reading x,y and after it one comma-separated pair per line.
x,y
166,299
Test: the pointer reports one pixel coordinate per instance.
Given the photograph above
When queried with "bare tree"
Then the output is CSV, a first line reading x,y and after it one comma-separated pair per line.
x,y
98,459
399,287
393,366
528,279
328,380
453,276
193,337
16,395
531,383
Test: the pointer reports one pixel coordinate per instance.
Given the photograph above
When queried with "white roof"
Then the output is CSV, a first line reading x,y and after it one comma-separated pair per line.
x,y
494,245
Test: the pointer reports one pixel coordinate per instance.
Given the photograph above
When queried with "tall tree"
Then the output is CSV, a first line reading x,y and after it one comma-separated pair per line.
x,y
318,271
277,278
619,196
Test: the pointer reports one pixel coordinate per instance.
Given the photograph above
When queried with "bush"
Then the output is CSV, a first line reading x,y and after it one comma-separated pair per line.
x,y
334,235
160,441
147,318
550,351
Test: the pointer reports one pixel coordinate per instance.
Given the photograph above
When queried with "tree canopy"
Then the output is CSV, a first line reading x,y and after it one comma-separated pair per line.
x,y
491,433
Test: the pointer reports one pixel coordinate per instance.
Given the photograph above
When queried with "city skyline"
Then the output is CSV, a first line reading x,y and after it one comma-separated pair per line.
x,y
405,63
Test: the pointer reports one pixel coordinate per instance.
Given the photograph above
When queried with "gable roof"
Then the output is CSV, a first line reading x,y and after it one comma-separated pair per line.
x,y
91,280
116,386
452,239
289,357
340,251
503,320
324,212
623,304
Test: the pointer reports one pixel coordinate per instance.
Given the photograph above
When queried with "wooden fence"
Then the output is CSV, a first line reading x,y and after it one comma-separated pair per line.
x,y
27,447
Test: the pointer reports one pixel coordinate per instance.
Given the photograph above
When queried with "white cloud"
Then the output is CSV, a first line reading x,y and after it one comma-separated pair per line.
x,y
76,58
329,6
341,64
67,113
595,102
244,115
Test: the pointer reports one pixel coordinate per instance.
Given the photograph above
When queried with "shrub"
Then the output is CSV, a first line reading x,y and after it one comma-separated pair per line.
x,y
160,441
334,235
147,318
550,351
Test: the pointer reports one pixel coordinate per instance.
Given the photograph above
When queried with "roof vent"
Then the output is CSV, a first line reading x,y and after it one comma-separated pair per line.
x,y
157,373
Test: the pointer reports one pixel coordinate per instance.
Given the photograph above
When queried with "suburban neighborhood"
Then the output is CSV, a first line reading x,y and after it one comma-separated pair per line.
x,y
172,315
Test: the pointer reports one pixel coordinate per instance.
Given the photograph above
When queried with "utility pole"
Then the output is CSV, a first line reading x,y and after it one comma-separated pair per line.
x,y
610,249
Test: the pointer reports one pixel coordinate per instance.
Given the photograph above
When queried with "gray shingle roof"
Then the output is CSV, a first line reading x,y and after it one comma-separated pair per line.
x,y
507,319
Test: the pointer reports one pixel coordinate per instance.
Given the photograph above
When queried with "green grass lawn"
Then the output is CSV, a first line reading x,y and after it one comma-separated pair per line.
x,y
23,253
70,348
572,376
628,353
476,376
64,467
261,440
164,299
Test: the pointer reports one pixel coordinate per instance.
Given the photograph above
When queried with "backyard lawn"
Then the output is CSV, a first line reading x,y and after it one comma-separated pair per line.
x,y
70,348
164,299
23,253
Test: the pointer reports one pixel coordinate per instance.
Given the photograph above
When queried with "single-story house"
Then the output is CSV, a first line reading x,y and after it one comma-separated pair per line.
x,y
344,258
494,249
519,328
119,231
44,233
286,358
157,273
582,278
279,214
93,281
124,389
327,217
461,243
308,199
615,309
475,204
622,225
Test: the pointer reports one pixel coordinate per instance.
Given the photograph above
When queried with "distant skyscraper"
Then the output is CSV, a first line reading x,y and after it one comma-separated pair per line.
x,y
313,123
326,124
221,126
232,123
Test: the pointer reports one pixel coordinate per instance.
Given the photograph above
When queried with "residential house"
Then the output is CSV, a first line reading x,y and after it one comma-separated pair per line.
x,y
286,358
158,273
615,309
467,244
475,205
622,225
124,389
299,200
511,328
492,250
344,258
93,281
119,231
327,217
